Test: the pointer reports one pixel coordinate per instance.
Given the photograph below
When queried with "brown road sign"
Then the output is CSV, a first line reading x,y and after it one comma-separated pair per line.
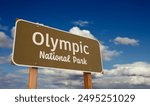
x,y
36,45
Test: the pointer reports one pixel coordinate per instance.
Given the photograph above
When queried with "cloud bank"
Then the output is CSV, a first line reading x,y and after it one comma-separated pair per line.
x,y
123,76
135,75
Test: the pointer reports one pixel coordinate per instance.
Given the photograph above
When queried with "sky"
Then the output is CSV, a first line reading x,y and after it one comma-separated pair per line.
x,y
121,26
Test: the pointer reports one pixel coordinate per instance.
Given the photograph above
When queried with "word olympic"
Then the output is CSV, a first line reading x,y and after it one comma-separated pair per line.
x,y
39,39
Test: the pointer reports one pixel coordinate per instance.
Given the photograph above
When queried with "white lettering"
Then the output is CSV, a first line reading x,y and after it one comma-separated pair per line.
x,y
81,49
54,44
85,48
75,47
54,57
79,61
66,44
47,40
41,38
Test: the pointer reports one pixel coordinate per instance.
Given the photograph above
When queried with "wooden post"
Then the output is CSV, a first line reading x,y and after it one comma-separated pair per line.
x,y
87,80
32,81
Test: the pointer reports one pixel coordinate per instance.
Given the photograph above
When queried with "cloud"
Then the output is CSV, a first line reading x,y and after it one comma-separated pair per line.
x,y
5,59
134,75
134,69
5,28
13,80
126,41
106,52
58,78
12,31
63,79
122,82
5,41
84,33
81,23
123,76
47,79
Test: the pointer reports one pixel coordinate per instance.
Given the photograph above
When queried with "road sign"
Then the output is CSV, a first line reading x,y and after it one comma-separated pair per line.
x,y
37,45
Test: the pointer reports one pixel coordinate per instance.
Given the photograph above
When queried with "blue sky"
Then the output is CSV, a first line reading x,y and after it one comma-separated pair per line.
x,y
123,27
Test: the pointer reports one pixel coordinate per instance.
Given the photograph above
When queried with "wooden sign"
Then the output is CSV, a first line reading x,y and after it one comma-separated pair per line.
x,y
54,48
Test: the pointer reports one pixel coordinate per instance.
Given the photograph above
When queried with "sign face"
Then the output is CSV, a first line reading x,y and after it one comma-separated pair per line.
x,y
41,46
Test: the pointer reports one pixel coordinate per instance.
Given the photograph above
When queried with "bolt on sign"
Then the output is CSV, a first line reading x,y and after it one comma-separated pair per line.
x,y
37,45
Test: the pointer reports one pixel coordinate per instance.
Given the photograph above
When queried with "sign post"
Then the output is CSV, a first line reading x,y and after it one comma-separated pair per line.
x,y
54,48
32,81
87,80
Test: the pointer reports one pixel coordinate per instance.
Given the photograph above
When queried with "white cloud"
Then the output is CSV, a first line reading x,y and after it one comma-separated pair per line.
x,y
135,75
134,69
13,80
12,31
5,41
47,78
63,72
122,82
108,54
81,23
60,78
5,59
126,41
84,33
